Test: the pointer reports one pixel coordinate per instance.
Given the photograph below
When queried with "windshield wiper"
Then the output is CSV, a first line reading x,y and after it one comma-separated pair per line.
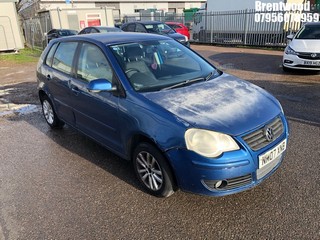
x,y
209,76
189,82
184,83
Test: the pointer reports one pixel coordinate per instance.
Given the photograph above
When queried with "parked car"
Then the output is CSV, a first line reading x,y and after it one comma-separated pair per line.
x,y
58,33
179,28
303,52
155,27
151,100
99,29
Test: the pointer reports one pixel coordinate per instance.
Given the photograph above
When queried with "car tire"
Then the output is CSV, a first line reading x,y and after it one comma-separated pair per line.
x,y
286,69
50,114
153,170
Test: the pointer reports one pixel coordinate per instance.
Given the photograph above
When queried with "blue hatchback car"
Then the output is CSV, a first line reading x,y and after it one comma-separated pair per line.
x,y
182,122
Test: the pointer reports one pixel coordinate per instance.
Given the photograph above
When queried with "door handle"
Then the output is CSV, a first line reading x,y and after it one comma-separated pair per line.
x,y
49,77
75,90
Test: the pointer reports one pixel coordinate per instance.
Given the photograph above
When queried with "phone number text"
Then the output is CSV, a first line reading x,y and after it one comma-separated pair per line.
x,y
286,17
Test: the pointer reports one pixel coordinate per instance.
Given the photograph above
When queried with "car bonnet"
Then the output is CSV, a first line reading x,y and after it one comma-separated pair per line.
x,y
306,45
176,36
225,104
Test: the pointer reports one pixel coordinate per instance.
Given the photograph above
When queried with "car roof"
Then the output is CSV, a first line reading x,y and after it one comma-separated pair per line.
x,y
60,29
117,37
102,27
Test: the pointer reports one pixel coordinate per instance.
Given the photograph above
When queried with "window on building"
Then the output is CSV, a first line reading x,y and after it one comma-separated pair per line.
x,y
138,10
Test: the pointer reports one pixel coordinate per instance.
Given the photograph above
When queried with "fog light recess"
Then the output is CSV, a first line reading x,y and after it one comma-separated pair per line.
x,y
288,61
220,184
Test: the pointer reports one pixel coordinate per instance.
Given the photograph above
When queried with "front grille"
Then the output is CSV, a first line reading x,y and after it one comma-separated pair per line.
x,y
230,183
257,139
308,56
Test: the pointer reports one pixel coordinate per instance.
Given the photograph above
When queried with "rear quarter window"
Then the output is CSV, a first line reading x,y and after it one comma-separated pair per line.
x,y
63,57
49,58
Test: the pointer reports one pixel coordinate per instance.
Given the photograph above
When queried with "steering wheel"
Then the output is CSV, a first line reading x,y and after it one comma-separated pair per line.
x,y
129,70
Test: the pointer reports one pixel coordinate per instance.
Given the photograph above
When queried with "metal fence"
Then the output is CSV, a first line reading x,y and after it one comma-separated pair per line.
x,y
246,27
157,16
249,27
35,29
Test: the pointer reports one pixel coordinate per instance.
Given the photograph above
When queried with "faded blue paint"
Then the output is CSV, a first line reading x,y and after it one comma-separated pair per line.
x,y
225,104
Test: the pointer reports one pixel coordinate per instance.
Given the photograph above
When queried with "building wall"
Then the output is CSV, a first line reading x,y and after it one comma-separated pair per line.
x,y
73,14
80,18
125,7
129,8
10,35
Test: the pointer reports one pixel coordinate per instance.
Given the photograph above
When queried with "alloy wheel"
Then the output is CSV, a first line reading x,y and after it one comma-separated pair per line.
x,y
149,171
48,111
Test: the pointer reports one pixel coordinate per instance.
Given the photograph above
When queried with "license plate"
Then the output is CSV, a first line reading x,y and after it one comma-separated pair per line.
x,y
312,63
272,154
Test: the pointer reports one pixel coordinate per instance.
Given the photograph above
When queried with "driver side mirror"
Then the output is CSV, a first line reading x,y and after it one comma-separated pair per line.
x,y
290,37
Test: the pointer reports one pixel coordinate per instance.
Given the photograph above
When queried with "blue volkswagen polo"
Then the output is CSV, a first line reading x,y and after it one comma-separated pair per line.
x,y
182,122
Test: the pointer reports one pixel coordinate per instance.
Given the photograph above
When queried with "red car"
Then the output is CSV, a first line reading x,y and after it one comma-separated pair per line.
x,y
179,28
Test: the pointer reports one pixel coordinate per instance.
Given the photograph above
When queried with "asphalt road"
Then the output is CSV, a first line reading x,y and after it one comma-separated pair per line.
x,y
62,185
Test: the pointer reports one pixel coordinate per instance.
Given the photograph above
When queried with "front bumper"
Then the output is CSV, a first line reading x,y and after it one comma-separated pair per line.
x,y
295,62
231,173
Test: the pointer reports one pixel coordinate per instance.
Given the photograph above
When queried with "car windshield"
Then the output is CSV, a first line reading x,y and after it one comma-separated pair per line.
x,y
159,28
160,65
309,32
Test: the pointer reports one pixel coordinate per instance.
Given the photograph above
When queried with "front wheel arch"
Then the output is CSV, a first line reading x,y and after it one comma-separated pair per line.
x,y
168,183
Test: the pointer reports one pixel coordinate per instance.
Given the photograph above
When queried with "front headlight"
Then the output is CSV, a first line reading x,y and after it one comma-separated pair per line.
x,y
209,143
289,50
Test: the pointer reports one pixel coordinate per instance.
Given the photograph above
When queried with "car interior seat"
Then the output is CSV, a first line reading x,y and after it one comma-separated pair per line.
x,y
136,65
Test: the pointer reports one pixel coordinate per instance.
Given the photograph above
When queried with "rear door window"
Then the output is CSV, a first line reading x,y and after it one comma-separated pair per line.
x,y
140,28
63,57
131,27
93,30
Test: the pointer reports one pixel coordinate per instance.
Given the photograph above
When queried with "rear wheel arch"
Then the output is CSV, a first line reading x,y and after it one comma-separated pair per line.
x,y
42,95
49,112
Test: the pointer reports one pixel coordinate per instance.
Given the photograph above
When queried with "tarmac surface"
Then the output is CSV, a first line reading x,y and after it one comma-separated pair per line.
x,y
62,185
